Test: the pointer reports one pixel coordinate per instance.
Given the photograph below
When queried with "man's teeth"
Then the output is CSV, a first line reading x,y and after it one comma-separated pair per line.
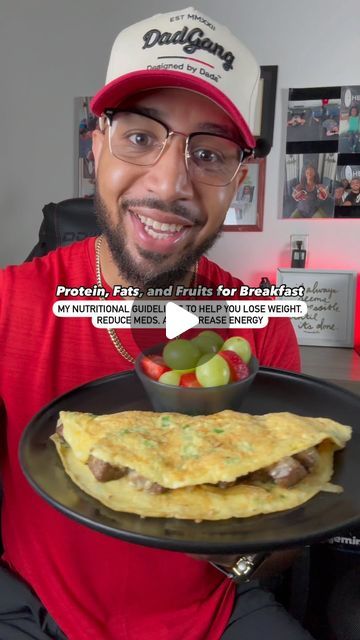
x,y
152,227
154,234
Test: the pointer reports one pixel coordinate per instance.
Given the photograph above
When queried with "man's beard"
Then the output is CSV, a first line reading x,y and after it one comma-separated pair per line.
x,y
149,275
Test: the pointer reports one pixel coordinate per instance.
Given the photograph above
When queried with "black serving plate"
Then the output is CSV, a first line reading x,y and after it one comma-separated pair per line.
x,y
272,390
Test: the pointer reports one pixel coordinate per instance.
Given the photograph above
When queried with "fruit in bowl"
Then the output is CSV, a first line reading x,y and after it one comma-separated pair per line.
x,y
198,377
205,361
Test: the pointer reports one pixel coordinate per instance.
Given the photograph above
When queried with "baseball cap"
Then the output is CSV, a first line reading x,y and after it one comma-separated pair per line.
x,y
184,49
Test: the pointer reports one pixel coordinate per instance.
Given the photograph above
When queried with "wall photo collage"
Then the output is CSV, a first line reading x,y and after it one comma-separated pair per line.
x,y
322,165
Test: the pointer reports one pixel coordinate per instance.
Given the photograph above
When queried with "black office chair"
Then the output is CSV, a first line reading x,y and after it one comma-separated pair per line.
x,y
64,223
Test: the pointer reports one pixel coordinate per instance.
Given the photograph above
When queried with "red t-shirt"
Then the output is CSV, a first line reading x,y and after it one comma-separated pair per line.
x,y
95,587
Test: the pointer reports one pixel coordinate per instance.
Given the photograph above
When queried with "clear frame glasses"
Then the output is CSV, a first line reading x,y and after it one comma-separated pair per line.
x,y
141,140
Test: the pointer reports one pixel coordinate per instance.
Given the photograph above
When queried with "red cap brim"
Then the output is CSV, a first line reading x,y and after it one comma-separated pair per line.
x,y
111,95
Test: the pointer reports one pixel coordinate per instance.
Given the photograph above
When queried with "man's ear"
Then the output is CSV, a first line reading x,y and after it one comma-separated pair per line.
x,y
98,141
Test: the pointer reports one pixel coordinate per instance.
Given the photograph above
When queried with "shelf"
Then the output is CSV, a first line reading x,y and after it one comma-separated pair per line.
x,y
333,364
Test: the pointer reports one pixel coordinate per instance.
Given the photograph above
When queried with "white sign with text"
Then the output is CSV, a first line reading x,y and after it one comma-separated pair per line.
x,y
330,299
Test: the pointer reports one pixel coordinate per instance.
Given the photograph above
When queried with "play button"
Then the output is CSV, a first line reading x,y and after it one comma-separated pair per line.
x,y
178,320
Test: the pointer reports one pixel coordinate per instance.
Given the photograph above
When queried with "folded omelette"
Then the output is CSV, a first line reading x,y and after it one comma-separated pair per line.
x,y
218,466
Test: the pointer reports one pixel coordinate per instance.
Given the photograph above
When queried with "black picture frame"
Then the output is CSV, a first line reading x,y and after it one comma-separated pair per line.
x,y
266,114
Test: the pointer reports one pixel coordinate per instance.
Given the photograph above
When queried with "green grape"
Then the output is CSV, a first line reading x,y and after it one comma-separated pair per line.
x,y
212,371
240,346
208,341
181,354
182,371
170,377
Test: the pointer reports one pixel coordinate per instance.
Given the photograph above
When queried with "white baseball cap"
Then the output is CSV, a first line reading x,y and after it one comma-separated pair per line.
x,y
184,49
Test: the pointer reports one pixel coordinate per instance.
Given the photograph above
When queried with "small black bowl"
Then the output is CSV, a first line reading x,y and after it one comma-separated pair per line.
x,y
194,400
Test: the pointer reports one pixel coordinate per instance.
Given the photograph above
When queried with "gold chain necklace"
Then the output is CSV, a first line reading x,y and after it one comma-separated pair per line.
x,y
113,337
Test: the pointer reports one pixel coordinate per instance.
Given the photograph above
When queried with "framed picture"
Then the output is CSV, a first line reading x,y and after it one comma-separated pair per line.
x,y
85,123
247,209
265,111
349,121
313,119
330,299
309,186
322,163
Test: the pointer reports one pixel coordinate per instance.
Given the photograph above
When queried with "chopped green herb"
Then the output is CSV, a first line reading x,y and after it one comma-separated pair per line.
x,y
218,430
165,421
186,426
190,451
246,446
149,443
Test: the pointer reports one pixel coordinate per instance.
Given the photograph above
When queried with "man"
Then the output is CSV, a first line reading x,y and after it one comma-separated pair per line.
x,y
353,196
168,159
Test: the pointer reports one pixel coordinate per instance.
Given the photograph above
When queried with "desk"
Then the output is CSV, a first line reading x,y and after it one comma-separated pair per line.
x,y
333,364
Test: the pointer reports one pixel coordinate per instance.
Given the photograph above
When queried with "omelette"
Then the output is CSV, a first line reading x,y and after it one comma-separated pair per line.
x,y
212,467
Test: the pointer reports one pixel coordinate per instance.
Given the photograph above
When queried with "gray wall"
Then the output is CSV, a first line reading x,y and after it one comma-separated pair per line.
x,y
54,50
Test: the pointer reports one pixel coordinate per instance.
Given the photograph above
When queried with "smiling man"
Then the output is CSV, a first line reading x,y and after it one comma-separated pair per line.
x,y
157,223
175,130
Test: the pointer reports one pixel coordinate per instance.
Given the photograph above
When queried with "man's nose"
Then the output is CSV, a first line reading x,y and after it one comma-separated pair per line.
x,y
168,177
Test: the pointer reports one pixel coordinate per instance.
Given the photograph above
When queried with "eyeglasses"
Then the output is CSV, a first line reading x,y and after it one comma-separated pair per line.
x,y
141,140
